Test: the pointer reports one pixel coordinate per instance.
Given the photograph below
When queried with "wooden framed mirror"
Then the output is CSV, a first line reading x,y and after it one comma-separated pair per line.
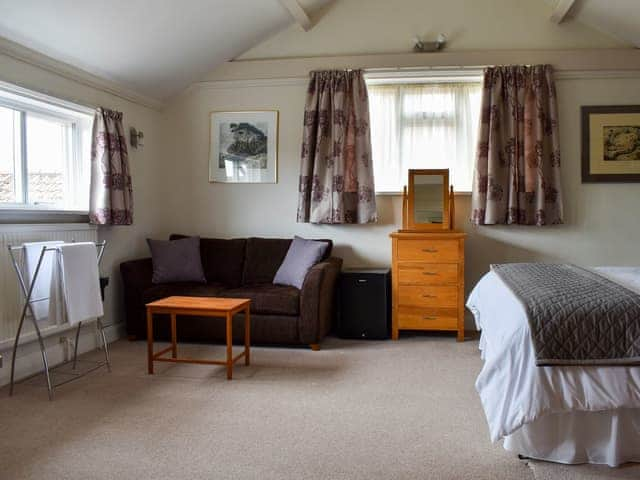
x,y
428,202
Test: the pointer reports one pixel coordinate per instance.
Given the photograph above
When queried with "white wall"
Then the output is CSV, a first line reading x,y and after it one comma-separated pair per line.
x,y
171,191
601,220
124,242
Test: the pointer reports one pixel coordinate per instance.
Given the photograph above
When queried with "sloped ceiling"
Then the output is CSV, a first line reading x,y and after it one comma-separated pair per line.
x,y
153,47
618,18
361,27
158,47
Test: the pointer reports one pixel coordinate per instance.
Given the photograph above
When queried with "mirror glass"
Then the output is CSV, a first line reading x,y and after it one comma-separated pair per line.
x,y
428,204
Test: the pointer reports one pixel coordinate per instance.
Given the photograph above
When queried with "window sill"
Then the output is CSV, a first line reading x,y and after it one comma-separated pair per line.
x,y
397,194
23,215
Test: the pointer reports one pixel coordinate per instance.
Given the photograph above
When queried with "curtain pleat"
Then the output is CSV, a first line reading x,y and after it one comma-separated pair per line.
x,y
336,172
517,171
111,194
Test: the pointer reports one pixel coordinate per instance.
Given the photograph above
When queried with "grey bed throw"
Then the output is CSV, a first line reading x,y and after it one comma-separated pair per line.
x,y
576,317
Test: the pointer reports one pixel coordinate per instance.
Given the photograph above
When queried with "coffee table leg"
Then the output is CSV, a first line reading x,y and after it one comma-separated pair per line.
x,y
149,341
174,341
247,336
229,347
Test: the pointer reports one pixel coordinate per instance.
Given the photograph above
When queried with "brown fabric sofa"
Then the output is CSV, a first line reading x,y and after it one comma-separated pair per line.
x,y
240,268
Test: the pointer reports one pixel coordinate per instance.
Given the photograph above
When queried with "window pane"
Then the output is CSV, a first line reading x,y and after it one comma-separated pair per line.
x,y
47,154
429,125
9,155
44,152
428,102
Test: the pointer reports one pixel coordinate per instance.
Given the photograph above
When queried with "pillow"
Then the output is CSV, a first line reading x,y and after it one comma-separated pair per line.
x,y
301,256
176,260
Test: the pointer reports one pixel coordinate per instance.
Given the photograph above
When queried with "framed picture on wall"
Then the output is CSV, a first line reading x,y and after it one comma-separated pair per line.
x,y
243,147
611,143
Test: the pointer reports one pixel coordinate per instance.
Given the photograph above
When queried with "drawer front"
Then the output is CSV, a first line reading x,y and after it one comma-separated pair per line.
x,y
428,296
427,273
427,319
432,251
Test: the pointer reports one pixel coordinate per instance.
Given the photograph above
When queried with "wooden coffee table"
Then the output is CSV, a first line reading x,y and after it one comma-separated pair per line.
x,y
203,307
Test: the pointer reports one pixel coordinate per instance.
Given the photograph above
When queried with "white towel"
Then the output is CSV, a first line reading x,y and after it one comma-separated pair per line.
x,y
46,275
81,282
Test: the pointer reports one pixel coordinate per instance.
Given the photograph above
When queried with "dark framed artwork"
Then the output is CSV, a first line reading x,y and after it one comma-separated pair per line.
x,y
610,143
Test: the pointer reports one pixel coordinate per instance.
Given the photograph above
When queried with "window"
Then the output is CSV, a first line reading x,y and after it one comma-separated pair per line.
x,y
423,125
44,152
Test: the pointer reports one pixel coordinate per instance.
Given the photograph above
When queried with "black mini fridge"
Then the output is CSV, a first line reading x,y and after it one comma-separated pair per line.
x,y
364,303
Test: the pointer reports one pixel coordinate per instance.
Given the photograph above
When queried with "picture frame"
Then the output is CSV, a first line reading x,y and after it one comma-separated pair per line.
x,y
243,146
610,143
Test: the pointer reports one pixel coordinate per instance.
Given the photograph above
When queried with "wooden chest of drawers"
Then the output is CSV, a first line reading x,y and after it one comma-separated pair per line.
x,y
428,282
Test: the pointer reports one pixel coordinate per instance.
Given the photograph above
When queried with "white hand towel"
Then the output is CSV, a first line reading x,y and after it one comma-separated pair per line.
x,y
81,282
42,287
57,311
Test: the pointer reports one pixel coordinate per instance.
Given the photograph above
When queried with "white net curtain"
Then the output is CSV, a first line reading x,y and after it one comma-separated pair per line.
x,y
424,125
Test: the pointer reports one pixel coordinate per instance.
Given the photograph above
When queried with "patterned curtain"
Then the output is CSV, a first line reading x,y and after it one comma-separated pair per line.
x,y
336,172
111,195
517,171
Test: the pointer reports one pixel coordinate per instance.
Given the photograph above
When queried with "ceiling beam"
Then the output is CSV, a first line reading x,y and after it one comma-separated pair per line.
x,y
298,13
561,11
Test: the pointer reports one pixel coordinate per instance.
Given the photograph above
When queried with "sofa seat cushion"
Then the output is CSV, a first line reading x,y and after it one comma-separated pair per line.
x,y
187,289
268,299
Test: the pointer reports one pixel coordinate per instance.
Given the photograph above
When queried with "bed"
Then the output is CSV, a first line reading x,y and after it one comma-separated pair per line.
x,y
566,414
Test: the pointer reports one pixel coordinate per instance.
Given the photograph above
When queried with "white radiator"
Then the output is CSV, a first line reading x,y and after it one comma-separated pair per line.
x,y
11,299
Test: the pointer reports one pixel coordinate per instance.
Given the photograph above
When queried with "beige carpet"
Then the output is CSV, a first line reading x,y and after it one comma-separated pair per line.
x,y
355,410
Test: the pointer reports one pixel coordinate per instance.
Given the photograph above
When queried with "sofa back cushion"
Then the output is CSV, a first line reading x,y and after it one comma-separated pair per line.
x,y
264,257
222,260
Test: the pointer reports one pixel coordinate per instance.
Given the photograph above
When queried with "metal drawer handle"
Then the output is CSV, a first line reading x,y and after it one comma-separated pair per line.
x,y
429,273
428,296
430,318
430,250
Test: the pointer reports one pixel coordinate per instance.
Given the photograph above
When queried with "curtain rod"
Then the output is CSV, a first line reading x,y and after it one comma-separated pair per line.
x,y
424,68
439,68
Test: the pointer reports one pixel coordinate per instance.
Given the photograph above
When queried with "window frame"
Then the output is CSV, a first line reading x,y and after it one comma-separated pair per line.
x,y
422,75
29,102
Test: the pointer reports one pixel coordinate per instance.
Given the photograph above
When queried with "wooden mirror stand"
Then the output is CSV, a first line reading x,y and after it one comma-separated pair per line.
x,y
409,221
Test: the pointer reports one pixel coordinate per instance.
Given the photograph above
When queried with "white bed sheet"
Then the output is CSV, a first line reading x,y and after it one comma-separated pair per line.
x,y
514,391
608,437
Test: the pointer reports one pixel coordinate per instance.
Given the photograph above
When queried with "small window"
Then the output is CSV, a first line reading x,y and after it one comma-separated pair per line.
x,y
44,152
431,123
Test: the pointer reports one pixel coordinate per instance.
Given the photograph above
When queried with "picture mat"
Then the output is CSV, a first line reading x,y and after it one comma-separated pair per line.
x,y
229,175
597,162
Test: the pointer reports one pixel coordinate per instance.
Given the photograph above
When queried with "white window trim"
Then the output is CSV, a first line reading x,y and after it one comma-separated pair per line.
x,y
17,97
457,193
42,97
386,76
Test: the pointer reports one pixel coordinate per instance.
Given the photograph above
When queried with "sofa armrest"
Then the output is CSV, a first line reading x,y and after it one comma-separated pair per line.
x,y
317,300
136,278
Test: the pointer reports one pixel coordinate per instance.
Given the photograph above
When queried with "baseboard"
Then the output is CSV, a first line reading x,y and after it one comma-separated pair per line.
x,y
29,360
115,331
